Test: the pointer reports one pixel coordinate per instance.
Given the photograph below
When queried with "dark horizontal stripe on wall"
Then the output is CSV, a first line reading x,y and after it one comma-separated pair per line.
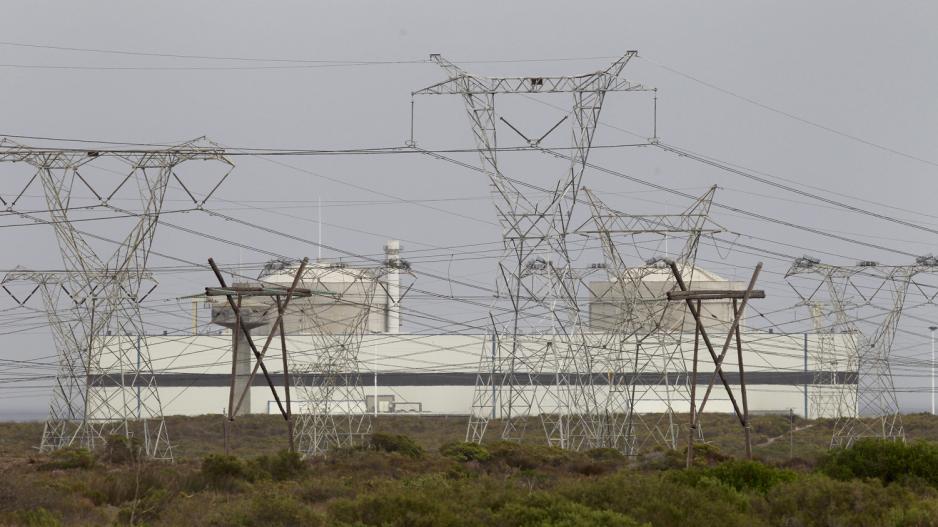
x,y
798,378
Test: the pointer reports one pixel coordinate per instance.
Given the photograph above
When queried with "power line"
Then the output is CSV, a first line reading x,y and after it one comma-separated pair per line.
x,y
791,115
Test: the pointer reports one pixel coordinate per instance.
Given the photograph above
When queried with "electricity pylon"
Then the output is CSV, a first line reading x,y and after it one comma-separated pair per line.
x,y
857,288
541,362
105,383
642,332
832,393
332,412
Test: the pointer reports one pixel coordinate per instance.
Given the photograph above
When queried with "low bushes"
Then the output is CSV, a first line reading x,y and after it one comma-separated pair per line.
x,y
224,472
396,443
37,518
281,466
529,457
664,498
122,450
465,452
68,458
887,461
747,475
815,500
541,508
221,471
275,508
394,482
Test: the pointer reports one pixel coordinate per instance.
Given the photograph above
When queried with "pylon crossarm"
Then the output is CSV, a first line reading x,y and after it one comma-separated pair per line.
x,y
461,82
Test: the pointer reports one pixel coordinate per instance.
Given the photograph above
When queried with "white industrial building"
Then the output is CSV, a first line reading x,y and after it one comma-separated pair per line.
x,y
436,374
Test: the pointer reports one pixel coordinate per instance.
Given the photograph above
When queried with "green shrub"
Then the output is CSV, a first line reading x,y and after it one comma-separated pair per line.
x,y
528,457
920,514
396,443
69,458
316,490
888,461
37,518
145,508
815,500
749,475
426,501
465,451
396,508
605,454
542,509
271,506
707,454
664,499
281,466
224,472
279,509
121,450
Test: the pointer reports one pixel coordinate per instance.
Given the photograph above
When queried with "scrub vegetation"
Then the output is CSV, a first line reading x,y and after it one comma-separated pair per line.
x,y
412,473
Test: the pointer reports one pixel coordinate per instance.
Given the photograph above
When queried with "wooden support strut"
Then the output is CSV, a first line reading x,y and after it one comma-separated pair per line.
x,y
699,331
747,428
286,378
270,335
692,429
234,364
704,336
737,317
244,329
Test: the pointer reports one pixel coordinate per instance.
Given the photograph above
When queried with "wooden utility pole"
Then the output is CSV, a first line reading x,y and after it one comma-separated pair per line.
x,y
281,296
693,300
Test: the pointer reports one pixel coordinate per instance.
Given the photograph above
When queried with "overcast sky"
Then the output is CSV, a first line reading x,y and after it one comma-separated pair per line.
x,y
864,70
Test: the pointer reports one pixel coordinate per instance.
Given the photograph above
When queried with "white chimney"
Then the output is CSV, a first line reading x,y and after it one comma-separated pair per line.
x,y
393,307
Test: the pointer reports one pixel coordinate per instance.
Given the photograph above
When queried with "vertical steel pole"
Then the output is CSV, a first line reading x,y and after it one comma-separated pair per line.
x,y
806,375
319,226
654,133
411,142
494,369
933,328
137,376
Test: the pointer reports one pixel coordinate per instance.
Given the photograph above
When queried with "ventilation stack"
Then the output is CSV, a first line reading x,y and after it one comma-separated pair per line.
x,y
393,308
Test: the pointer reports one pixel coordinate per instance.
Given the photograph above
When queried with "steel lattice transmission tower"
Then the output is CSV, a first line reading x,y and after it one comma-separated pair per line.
x,y
832,392
332,411
105,383
541,361
641,336
854,289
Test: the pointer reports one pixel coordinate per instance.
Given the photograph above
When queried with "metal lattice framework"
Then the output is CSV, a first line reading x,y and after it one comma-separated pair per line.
x,y
105,381
854,289
830,359
540,363
332,411
642,335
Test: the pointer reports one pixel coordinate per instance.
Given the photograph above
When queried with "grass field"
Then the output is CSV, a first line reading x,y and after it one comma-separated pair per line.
x,y
427,477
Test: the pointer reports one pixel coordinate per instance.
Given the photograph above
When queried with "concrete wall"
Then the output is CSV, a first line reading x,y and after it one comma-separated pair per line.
x,y
200,360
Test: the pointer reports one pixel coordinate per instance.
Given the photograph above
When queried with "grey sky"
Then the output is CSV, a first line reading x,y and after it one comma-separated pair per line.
x,y
868,69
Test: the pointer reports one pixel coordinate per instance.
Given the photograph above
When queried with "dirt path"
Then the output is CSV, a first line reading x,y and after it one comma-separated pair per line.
x,y
771,440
